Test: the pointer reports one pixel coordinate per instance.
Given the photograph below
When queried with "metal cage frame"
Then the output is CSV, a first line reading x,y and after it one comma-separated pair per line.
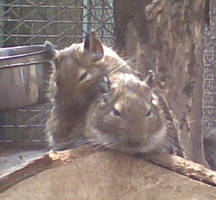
x,y
62,22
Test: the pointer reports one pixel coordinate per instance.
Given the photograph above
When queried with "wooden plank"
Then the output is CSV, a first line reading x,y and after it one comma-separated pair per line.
x,y
106,175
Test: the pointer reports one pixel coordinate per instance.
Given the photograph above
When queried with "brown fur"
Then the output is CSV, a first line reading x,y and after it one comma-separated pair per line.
x,y
74,90
132,118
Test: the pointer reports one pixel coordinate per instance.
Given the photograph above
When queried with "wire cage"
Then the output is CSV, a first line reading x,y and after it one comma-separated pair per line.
x,y
62,22
28,22
209,76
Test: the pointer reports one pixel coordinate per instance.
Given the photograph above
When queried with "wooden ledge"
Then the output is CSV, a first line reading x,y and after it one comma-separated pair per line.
x,y
100,173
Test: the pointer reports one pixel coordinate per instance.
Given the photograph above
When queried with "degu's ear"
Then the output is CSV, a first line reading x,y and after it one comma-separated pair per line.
x,y
93,47
50,48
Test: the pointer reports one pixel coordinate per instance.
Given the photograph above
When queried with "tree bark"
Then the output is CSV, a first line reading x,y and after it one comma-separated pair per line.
x,y
167,36
107,175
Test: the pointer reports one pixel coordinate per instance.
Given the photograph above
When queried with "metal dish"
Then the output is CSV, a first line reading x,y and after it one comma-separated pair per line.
x,y
21,85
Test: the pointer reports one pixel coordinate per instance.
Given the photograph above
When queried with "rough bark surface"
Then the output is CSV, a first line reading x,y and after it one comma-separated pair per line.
x,y
167,36
109,175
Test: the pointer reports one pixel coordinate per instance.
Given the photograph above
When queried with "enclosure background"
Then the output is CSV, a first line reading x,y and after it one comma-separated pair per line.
x,y
28,22
63,22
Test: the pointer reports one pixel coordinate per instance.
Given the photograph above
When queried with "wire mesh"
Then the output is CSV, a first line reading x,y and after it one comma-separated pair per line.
x,y
60,21
27,22
209,76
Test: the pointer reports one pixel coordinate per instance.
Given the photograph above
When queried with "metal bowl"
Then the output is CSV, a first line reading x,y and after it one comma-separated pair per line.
x,y
24,75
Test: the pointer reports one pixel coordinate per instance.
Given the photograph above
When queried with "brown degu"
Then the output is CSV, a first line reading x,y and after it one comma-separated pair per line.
x,y
80,69
119,112
131,118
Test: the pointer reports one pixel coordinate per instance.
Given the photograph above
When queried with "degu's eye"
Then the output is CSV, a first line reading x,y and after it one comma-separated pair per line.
x,y
116,112
83,76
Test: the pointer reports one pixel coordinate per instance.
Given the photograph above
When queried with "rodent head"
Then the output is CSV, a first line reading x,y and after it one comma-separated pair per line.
x,y
128,119
80,71
77,72
80,67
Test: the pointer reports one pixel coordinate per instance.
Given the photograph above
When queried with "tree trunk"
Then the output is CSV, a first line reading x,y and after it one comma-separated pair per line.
x,y
167,36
